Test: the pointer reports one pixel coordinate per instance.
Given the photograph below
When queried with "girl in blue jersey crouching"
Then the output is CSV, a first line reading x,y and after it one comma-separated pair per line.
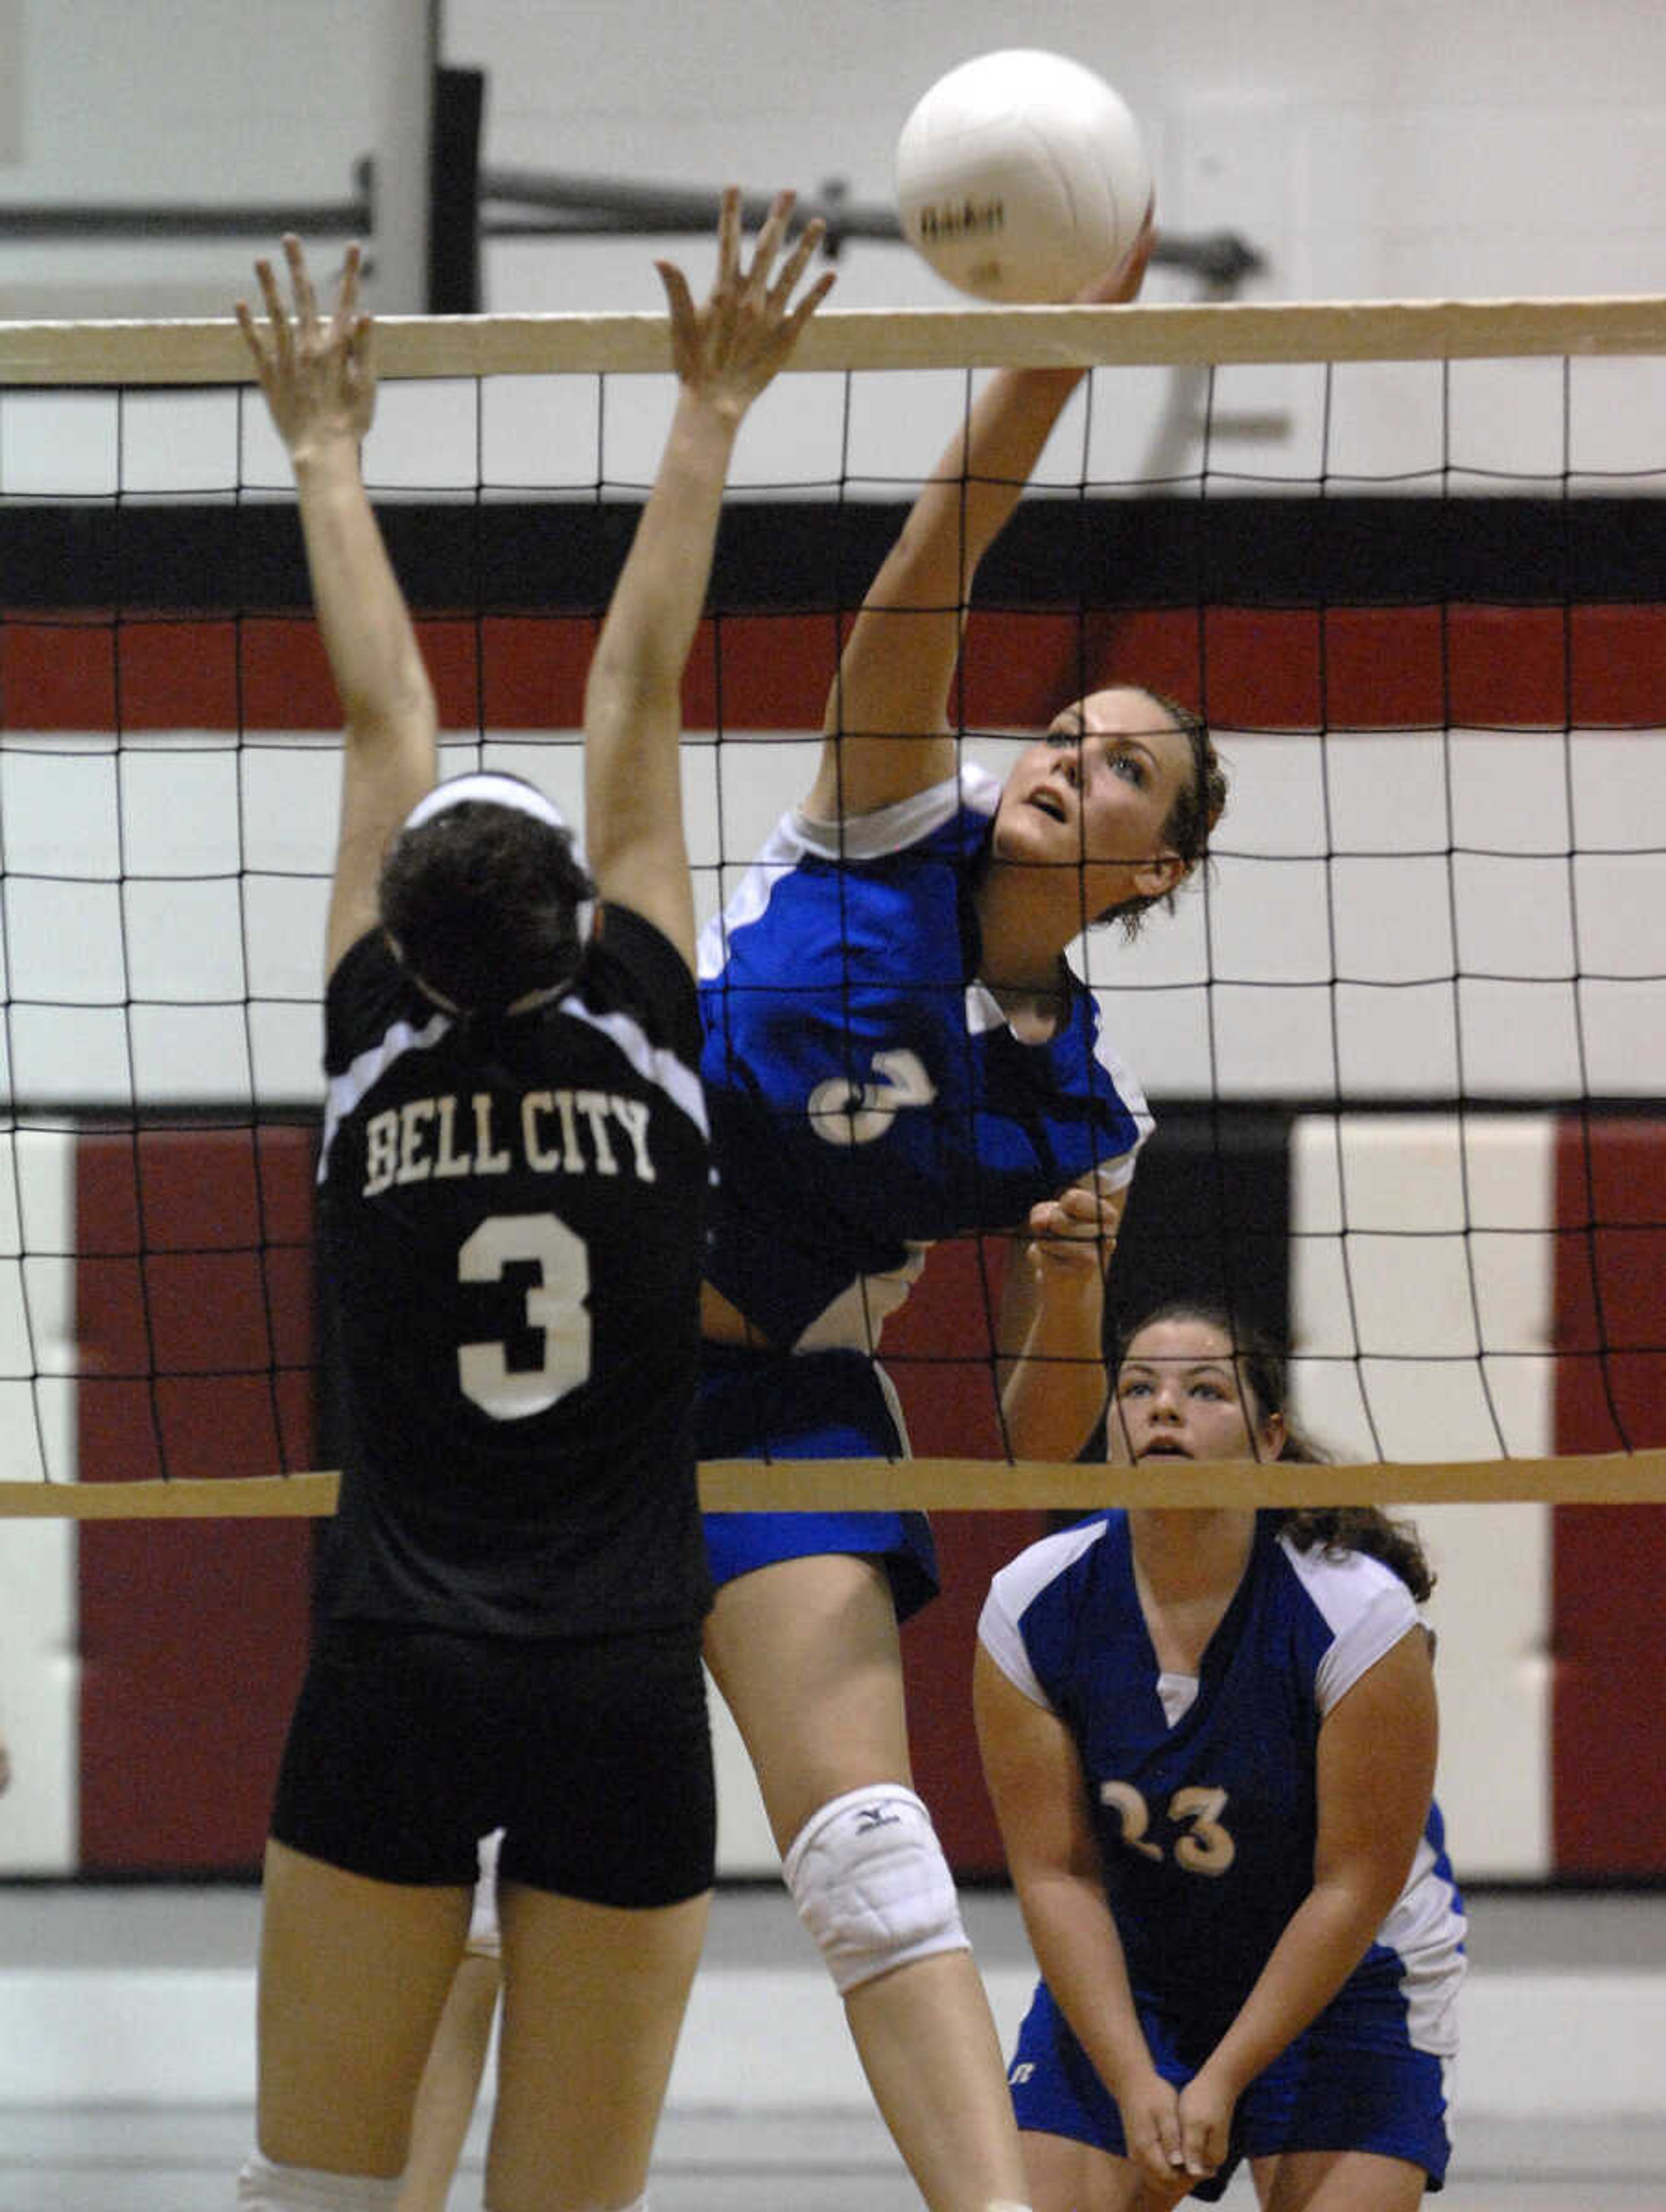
x,y
1209,1736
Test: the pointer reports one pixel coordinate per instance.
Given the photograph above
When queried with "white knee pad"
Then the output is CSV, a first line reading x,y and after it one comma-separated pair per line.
x,y
872,1886
263,2187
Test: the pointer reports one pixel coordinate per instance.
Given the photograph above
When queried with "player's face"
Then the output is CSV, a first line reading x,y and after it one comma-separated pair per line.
x,y
1097,792
1179,1396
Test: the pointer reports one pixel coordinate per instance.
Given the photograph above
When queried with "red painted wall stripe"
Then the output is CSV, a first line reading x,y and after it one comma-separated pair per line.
x,y
1608,1626
197,1248
1366,668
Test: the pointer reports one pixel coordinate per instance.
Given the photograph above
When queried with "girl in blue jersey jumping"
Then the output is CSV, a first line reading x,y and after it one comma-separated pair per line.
x,y
1210,1737
897,1052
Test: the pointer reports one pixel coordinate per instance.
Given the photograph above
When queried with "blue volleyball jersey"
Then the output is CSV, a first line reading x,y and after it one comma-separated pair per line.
x,y
1204,1792
868,1096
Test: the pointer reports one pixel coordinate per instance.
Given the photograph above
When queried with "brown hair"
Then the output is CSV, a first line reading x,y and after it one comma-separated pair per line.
x,y
1199,805
1264,1374
482,901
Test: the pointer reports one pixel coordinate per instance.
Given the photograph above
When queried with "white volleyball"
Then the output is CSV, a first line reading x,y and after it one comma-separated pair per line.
x,y
1021,176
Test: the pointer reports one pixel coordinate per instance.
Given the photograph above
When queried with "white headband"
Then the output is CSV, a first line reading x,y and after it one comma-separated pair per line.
x,y
492,790
495,790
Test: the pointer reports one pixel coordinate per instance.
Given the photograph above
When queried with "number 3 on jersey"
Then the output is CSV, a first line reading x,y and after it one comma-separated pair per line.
x,y
555,1311
848,1113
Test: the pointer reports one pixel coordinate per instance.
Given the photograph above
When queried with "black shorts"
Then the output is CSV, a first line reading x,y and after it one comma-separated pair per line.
x,y
593,1755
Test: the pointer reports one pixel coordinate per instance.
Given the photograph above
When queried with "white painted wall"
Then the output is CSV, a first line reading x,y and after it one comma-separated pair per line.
x,y
39,1657
1371,150
1412,148
1425,1244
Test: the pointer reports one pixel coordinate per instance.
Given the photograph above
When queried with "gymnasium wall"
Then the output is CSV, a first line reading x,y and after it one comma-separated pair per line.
x,y
1366,153
1371,152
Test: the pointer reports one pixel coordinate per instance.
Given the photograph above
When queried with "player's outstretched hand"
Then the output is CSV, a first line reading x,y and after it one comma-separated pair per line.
x,y
318,375
727,350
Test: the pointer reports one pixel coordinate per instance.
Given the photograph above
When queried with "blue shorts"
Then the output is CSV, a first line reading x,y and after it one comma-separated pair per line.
x,y
1329,2090
809,1405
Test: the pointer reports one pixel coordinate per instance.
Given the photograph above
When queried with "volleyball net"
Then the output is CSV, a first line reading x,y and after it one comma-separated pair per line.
x,y
1406,1044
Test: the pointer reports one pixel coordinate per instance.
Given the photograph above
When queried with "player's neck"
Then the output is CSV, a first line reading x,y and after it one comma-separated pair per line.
x,y
1186,1579
1184,1553
1021,941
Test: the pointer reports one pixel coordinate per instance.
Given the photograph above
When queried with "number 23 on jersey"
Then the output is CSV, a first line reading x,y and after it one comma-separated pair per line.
x,y
1203,1847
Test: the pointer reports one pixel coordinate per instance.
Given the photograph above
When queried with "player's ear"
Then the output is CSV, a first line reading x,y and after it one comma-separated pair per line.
x,y
1164,872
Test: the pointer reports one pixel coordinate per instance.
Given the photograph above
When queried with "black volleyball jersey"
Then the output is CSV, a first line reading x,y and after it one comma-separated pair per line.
x,y
511,1229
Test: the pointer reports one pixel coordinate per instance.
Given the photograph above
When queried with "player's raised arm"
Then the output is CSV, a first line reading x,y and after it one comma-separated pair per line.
x,y
725,352
1050,1336
887,721
318,373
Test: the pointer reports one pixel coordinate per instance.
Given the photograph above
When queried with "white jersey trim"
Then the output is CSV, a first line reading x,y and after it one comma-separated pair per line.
x,y
1010,1594
654,1063
856,837
367,1069
1178,1694
984,1013
1369,1610
1425,1930
1120,1170
893,829
1365,1605
856,1319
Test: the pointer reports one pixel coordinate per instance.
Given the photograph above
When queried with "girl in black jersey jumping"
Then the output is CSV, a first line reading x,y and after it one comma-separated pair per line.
x,y
513,1187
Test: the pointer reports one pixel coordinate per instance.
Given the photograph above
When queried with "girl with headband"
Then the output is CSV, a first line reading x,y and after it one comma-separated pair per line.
x,y
514,1188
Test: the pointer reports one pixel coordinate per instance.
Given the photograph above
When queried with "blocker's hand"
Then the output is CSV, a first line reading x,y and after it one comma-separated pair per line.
x,y
730,348
318,375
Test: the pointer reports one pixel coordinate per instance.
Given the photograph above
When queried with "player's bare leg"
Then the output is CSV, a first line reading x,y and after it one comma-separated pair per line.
x,y
807,1655
450,2086
1067,2176
593,1999
354,1977
1338,2181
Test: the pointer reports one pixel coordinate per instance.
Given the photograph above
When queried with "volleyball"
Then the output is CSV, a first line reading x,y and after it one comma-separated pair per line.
x,y
1021,176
